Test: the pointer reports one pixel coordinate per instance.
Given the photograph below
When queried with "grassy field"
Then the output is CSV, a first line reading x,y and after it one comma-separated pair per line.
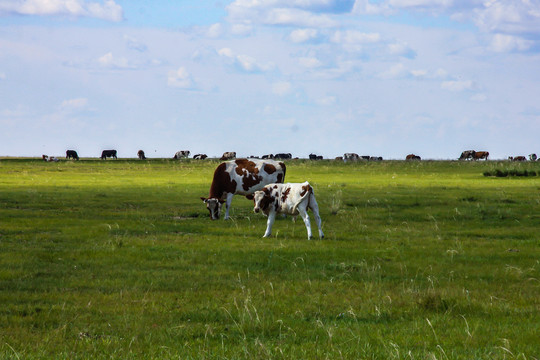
x,y
119,260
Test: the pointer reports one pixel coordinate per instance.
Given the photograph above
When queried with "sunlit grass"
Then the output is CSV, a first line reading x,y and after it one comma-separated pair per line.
x,y
118,259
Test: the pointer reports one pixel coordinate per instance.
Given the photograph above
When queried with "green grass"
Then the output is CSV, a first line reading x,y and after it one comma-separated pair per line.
x,y
119,260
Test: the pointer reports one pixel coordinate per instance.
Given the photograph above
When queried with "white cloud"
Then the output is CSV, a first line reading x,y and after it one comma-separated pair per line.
x,y
458,85
110,61
279,12
395,71
303,35
109,10
282,88
180,78
327,100
509,16
215,30
135,44
355,37
245,62
508,43
74,104
401,49
309,62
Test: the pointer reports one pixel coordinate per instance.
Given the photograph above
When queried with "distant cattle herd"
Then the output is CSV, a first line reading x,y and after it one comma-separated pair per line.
x,y
347,157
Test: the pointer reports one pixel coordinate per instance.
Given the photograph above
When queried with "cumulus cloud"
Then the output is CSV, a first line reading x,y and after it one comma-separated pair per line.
x,y
180,78
282,88
458,85
110,61
395,71
135,44
307,13
401,49
215,30
245,62
303,35
74,104
108,10
509,43
309,62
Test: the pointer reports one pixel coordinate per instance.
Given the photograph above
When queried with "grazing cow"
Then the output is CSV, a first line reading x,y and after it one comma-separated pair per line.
x,y
365,157
533,157
141,155
315,157
350,157
412,157
72,154
291,199
375,158
50,158
181,154
481,155
339,158
517,158
467,154
283,156
243,177
228,155
200,156
267,156
108,153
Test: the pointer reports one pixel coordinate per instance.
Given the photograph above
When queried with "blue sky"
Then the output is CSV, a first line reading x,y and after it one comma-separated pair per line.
x,y
383,78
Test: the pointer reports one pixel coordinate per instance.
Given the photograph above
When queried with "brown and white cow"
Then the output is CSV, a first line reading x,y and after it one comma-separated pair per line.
x,y
228,155
481,155
242,177
291,199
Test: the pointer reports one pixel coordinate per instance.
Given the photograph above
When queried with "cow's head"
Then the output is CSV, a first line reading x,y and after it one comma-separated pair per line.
x,y
214,207
262,200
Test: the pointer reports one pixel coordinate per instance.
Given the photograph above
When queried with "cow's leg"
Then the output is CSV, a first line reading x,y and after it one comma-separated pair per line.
x,y
305,217
228,205
315,208
269,223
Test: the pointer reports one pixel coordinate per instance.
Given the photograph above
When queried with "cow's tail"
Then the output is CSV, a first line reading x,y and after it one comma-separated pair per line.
x,y
307,194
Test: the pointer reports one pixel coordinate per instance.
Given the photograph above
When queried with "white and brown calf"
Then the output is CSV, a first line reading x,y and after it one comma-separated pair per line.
x,y
291,199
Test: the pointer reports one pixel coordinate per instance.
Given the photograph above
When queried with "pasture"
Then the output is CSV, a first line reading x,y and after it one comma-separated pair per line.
x,y
119,260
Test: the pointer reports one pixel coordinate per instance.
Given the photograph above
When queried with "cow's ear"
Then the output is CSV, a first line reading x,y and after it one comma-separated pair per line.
x,y
203,199
249,197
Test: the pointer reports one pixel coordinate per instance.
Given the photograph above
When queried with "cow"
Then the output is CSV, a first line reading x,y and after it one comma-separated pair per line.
x,y
50,158
467,154
228,155
141,155
290,199
517,158
267,156
412,157
365,157
350,157
315,157
478,155
533,157
283,156
181,154
108,153
375,158
72,154
339,158
242,177
200,156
